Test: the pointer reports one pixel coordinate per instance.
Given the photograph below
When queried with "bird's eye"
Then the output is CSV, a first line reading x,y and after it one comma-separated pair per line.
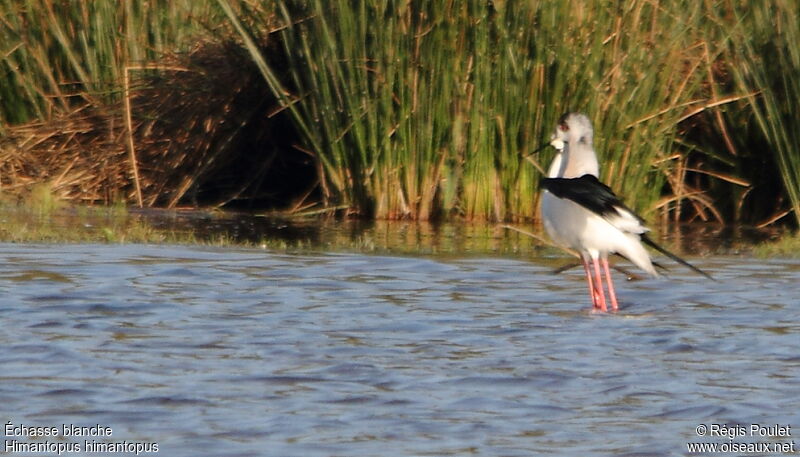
x,y
564,127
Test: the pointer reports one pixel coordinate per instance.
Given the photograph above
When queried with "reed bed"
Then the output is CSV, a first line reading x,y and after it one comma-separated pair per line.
x,y
767,58
65,157
59,54
405,109
62,66
186,136
109,102
418,109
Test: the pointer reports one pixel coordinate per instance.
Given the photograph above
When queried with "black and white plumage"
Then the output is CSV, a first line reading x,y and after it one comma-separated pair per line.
x,y
589,192
582,213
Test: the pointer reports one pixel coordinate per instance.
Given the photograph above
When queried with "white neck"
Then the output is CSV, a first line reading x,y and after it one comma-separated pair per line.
x,y
555,166
578,159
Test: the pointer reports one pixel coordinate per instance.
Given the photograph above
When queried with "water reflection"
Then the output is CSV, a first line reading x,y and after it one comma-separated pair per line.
x,y
461,239
427,238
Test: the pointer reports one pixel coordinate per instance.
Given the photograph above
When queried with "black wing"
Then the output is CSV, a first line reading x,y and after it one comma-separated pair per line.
x,y
588,192
598,198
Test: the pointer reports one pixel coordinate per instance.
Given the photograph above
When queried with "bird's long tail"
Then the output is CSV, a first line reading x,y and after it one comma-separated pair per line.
x,y
672,256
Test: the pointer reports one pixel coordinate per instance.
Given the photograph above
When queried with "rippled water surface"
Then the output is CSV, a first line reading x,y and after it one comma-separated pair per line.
x,y
239,352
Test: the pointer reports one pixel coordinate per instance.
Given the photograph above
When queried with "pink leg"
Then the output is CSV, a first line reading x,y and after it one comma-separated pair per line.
x,y
599,284
611,293
592,290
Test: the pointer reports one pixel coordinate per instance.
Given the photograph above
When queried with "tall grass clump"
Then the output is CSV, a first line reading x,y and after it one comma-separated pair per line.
x,y
766,58
145,102
421,109
406,109
57,55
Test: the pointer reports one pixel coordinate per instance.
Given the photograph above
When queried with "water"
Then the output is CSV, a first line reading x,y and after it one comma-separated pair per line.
x,y
241,352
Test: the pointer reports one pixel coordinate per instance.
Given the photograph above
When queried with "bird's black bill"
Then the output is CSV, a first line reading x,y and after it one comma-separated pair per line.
x,y
540,149
534,152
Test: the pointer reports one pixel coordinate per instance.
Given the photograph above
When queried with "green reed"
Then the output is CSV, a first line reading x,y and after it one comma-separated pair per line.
x,y
766,58
56,55
420,109
424,109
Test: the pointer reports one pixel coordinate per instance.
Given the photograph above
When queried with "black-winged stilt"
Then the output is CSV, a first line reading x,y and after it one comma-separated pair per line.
x,y
582,213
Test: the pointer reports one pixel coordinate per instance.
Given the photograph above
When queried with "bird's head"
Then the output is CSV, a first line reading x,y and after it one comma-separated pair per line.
x,y
572,127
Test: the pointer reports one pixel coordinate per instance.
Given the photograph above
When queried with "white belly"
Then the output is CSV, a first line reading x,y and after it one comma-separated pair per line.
x,y
564,221
573,226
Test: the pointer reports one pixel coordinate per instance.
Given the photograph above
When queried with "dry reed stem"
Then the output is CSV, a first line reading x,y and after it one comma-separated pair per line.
x,y
129,121
129,128
540,239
